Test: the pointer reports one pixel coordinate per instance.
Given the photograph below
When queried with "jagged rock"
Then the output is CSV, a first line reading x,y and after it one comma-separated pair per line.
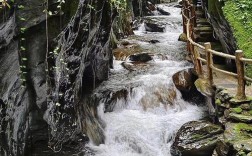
x,y
143,57
197,138
183,37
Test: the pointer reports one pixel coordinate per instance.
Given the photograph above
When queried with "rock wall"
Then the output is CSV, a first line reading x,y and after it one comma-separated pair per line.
x,y
46,97
222,29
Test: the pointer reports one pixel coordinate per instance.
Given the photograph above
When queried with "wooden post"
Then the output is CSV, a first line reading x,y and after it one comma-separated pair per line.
x,y
198,64
209,63
240,71
193,15
184,20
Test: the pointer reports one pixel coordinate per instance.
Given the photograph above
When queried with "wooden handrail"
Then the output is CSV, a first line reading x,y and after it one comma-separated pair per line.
x,y
245,60
188,14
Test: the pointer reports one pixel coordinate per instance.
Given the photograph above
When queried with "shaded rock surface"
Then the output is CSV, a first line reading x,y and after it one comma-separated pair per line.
x,y
37,104
222,29
143,57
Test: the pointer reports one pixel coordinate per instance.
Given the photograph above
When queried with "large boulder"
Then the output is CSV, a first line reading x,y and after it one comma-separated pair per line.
x,y
154,25
197,138
142,57
184,80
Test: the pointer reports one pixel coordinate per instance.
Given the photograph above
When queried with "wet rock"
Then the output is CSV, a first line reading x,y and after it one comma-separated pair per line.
x,y
128,66
143,57
125,43
243,145
153,25
180,2
178,6
151,7
163,12
237,131
111,97
183,37
223,95
135,66
204,87
246,106
197,138
122,53
222,148
184,80
240,117
154,41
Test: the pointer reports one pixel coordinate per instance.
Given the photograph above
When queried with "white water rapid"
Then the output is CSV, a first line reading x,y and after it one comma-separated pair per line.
x,y
146,121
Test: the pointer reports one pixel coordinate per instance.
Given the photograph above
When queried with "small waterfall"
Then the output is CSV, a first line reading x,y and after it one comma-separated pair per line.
x,y
144,122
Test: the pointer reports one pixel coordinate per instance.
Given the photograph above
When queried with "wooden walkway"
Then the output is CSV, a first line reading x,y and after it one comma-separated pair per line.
x,y
197,28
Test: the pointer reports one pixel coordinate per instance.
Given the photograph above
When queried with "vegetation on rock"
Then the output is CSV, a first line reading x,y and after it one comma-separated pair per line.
x,y
239,15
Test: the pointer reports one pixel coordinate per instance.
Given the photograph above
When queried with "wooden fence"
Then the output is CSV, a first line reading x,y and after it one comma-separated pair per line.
x,y
189,22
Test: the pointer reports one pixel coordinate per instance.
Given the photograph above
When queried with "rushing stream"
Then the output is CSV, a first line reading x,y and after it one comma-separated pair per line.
x,y
145,122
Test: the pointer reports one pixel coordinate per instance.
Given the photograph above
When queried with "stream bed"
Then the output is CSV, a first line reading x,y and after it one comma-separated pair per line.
x,y
144,122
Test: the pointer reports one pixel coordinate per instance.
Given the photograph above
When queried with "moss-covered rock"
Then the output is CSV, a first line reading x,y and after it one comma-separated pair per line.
x,y
237,110
237,131
196,138
243,145
204,87
240,117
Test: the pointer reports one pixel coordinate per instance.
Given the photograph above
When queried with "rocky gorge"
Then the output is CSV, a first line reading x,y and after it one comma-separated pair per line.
x,y
108,77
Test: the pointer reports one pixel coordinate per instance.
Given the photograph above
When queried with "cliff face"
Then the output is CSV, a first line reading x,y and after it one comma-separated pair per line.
x,y
49,69
222,29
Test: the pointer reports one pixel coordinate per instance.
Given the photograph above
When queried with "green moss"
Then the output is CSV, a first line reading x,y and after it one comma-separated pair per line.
x,y
239,15
218,102
243,127
250,112
237,110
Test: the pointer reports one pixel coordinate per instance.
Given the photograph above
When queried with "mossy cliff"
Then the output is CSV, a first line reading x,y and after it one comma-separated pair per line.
x,y
232,22
239,15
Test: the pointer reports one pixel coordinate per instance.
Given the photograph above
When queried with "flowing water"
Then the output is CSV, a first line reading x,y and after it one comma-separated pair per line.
x,y
144,123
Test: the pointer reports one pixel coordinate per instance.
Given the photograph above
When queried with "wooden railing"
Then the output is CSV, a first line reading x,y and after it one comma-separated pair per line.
x,y
189,22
